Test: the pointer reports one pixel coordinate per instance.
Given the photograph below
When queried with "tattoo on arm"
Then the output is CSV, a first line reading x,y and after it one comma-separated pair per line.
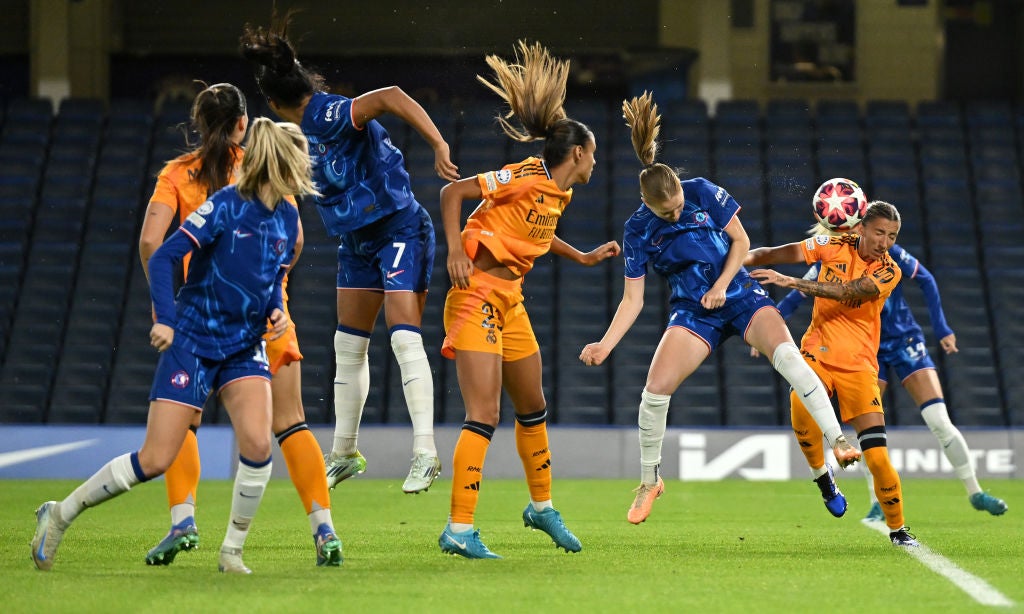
x,y
860,288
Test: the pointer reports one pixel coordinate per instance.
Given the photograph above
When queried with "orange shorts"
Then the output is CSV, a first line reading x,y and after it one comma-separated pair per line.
x,y
285,349
857,391
489,316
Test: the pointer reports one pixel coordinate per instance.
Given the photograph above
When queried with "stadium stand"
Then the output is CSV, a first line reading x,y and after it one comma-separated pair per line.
x,y
74,303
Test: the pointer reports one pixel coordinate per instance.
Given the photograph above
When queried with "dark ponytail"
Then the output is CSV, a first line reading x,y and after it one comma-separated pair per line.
x,y
215,113
279,75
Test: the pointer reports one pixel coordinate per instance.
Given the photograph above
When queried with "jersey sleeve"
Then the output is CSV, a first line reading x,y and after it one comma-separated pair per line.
x,y
817,248
930,289
500,185
334,120
721,206
204,225
161,276
634,254
166,191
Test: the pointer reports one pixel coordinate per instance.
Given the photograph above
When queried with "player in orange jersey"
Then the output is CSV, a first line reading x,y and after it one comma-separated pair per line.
x,y
219,116
488,332
841,344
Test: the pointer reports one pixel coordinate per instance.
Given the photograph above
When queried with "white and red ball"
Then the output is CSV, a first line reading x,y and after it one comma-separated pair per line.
x,y
839,204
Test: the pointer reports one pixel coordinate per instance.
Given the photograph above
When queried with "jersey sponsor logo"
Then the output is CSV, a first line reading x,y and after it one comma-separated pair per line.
x,y
197,220
503,176
885,274
205,208
489,179
332,113
179,379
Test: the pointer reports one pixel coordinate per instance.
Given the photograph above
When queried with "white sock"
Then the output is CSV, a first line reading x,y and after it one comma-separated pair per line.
x,y
817,472
540,506
417,385
319,516
114,478
250,482
792,366
653,417
181,511
459,527
954,446
351,387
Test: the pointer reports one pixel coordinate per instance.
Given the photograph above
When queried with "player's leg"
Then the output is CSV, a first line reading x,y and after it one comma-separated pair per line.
x,y
767,332
301,451
861,404
875,511
168,422
479,376
678,355
182,482
406,261
357,312
474,321
248,403
522,380
923,386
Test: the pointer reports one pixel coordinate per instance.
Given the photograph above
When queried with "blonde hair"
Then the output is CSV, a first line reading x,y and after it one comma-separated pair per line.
x,y
276,157
658,182
534,88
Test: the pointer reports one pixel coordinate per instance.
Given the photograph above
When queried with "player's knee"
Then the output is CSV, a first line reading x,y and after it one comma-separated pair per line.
x,y
351,346
937,418
407,344
786,357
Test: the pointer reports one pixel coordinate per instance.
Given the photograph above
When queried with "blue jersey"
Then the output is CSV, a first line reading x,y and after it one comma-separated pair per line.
x,y
898,322
240,252
690,252
360,175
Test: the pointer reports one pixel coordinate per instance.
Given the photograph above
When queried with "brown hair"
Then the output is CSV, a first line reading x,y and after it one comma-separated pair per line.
x,y
215,113
658,182
534,88
881,209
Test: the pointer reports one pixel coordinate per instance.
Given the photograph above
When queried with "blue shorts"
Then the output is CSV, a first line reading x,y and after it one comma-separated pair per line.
x,y
182,377
715,326
905,355
395,253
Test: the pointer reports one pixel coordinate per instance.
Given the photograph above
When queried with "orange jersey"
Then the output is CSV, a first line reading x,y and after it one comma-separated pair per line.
x,y
517,218
176,186
845,334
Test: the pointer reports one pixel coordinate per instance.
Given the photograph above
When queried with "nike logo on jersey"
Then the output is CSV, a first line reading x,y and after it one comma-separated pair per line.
x,y
409,381
811,392
394,274
242,235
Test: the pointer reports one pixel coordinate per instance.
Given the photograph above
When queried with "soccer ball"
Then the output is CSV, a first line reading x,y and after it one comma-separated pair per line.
x,y
839,204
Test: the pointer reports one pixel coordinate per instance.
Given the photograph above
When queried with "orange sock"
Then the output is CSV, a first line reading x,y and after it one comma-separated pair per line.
x,y
305,463
182,477
532,445
887,485
808,434
468,469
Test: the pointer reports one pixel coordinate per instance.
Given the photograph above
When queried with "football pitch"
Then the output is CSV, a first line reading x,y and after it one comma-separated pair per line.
x,y
731,546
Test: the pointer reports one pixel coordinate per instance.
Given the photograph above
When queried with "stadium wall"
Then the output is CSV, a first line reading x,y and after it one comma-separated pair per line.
x,y
75,452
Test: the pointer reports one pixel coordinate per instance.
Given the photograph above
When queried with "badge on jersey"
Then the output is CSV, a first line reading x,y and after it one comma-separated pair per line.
x,y
503,176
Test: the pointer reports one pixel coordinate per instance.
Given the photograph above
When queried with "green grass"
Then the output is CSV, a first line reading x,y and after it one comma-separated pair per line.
x,y
708,547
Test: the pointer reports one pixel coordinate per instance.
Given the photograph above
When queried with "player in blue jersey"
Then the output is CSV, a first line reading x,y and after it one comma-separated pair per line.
x,y
902,349
689,232
387,239
242,241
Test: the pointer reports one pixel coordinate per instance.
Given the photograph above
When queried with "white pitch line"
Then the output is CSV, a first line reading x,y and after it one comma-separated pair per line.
x,y
978,589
